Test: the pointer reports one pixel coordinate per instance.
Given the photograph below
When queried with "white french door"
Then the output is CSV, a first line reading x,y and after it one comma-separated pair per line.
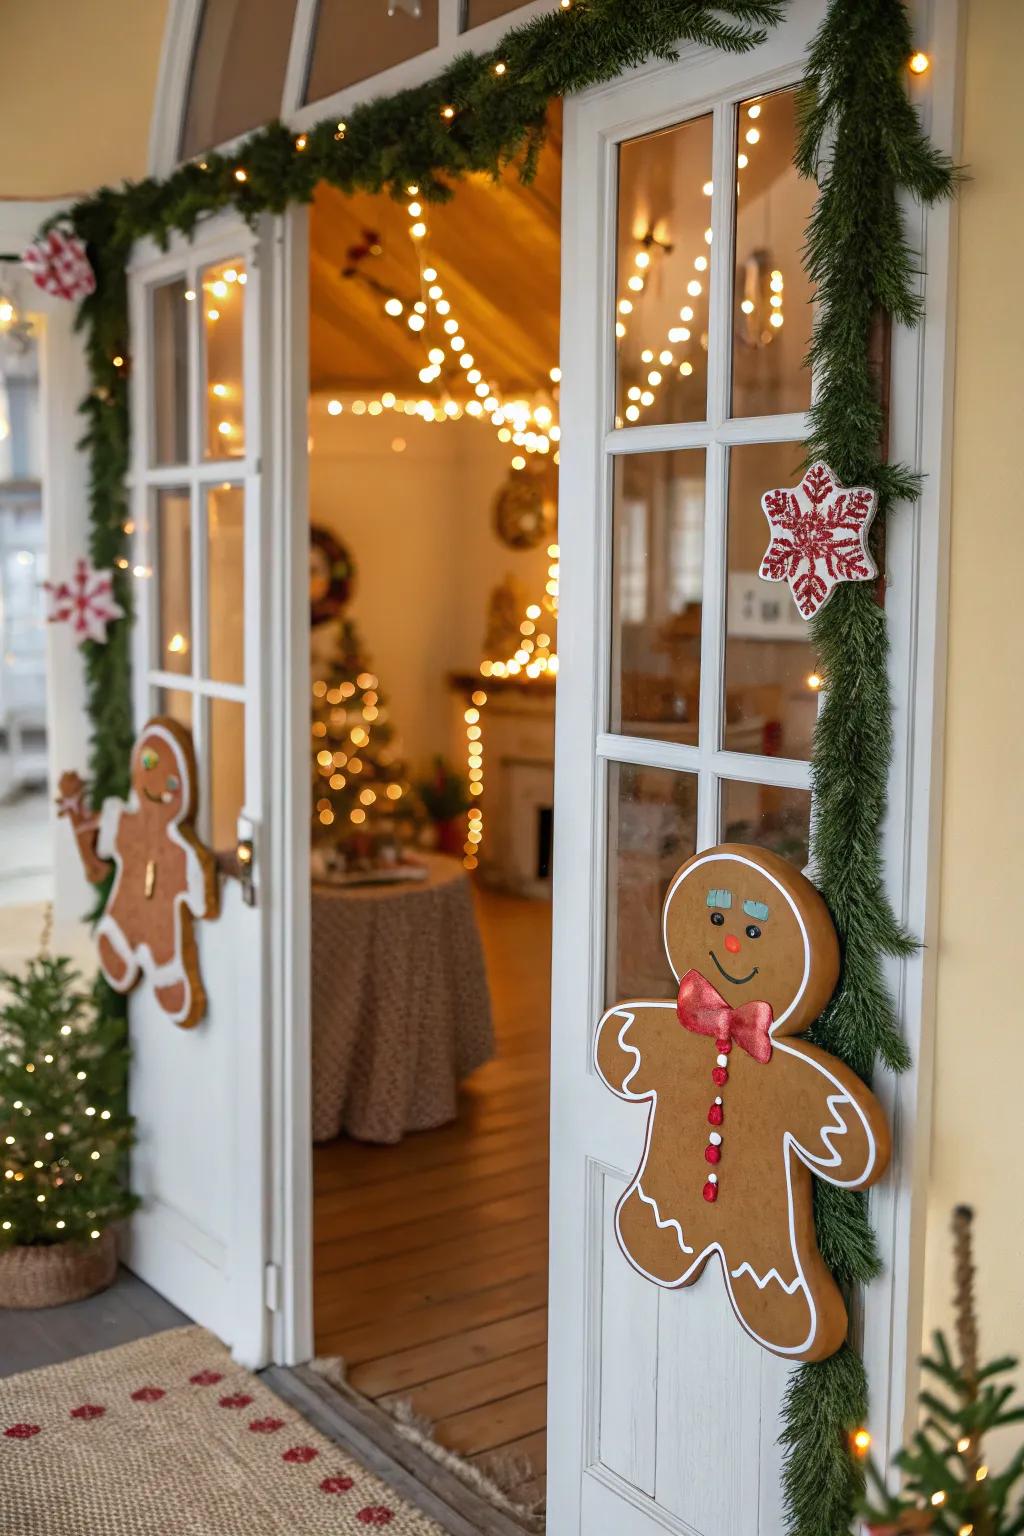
x,y
208,622
688,691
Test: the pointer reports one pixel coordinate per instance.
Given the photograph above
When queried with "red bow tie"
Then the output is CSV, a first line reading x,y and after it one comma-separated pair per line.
x,y
705,1011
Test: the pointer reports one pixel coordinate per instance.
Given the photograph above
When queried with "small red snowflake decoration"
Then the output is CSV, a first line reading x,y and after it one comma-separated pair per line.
x,y
21,1431
376,1514
86,602
88,1411
266,1426
59,264
148,1394
235,1400
819,534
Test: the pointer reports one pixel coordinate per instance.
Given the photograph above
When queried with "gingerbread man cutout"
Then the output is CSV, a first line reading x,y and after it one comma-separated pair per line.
x,y
742,1113
164,877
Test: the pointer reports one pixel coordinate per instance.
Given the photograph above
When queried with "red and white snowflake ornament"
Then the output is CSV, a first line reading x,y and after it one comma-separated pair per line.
x,y
86,602
59,264
819,534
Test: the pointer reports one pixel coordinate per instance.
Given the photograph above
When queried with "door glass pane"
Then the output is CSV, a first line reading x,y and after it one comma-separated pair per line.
x,y
223,291
175,704
771,672
227,770
657,582
238,70
174,581
779,819
652,828
170,314
479,11
225,566
355,39
661,292
772,294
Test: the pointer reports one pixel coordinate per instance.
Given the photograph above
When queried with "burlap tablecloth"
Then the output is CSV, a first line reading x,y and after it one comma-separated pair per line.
x,y
401,1010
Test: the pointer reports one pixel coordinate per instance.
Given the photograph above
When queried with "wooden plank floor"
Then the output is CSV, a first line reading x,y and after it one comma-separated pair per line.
x,y
431,1256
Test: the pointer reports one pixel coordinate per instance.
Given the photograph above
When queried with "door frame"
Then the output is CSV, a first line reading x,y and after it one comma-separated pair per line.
x,y
917,562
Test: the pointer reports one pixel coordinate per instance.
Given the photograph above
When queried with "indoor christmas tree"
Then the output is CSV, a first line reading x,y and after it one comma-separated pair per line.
x,y
947,1484
63,1130
361,801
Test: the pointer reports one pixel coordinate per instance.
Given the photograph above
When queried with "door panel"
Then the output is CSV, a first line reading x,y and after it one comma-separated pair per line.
x,y
200,313
665,1414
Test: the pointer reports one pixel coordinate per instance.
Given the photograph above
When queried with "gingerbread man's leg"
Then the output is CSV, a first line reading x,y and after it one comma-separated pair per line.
x,y
652,1241
176,983
117,958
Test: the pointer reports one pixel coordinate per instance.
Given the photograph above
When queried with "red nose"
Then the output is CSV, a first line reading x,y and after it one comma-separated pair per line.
x,y
732,944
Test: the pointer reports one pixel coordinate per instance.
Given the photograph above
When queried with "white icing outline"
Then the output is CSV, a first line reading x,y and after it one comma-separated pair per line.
x,y
139,958
819,1165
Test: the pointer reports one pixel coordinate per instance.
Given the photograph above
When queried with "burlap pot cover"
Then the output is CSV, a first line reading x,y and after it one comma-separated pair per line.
x,y
169,1437
401,1010
51,1274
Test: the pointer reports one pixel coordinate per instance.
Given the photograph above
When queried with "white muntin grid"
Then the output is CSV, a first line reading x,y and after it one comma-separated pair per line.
x,y
708,761
195,477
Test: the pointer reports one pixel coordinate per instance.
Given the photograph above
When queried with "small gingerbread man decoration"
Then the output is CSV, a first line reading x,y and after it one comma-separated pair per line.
x,y
164,877
741,1113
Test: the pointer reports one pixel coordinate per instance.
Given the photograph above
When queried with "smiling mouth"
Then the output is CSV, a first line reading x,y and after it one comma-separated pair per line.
x,y
156,799
736,980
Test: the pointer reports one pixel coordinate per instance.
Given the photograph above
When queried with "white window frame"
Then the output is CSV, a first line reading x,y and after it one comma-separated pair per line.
x,y
221,239
916,566
182,31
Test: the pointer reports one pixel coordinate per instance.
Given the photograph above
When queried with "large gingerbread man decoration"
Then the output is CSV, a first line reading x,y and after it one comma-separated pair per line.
x,y
164,877
741,1113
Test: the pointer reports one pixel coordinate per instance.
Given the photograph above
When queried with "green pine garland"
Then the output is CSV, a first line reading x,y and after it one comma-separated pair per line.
x,y
858,257
864,273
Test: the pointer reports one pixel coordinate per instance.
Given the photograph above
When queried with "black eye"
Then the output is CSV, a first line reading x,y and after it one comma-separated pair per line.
x,y
717,919
753,931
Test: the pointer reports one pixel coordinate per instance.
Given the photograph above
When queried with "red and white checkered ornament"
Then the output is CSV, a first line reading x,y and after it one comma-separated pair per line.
x,y
59,264
86,602
819,537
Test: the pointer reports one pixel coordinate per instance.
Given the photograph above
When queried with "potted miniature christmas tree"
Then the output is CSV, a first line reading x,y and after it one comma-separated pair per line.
x,y
948,1487
63,1133
445,798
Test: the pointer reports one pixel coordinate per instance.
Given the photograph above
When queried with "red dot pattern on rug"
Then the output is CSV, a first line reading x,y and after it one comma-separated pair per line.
x,y
301,1454
304,1468
340,1484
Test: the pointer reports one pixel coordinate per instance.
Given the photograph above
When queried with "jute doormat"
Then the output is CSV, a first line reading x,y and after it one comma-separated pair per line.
x,y
169,1437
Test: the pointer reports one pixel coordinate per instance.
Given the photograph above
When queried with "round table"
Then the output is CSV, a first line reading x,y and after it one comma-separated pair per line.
x,y
400,1006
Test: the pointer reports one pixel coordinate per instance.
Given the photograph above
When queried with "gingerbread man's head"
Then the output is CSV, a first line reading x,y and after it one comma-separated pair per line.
x,y
755,928
163,771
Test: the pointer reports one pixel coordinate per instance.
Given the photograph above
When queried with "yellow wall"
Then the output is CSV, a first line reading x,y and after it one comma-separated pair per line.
x,y
977,1153
78,84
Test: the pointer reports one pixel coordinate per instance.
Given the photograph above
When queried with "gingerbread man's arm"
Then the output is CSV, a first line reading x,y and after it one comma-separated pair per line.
x,y
624,1035
837,1124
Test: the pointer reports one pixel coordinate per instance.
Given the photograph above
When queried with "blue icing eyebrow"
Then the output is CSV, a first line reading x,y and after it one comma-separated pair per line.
x,y
720,899
756,909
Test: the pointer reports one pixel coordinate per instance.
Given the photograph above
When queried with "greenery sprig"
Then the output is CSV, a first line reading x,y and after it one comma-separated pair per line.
x,y
861,139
